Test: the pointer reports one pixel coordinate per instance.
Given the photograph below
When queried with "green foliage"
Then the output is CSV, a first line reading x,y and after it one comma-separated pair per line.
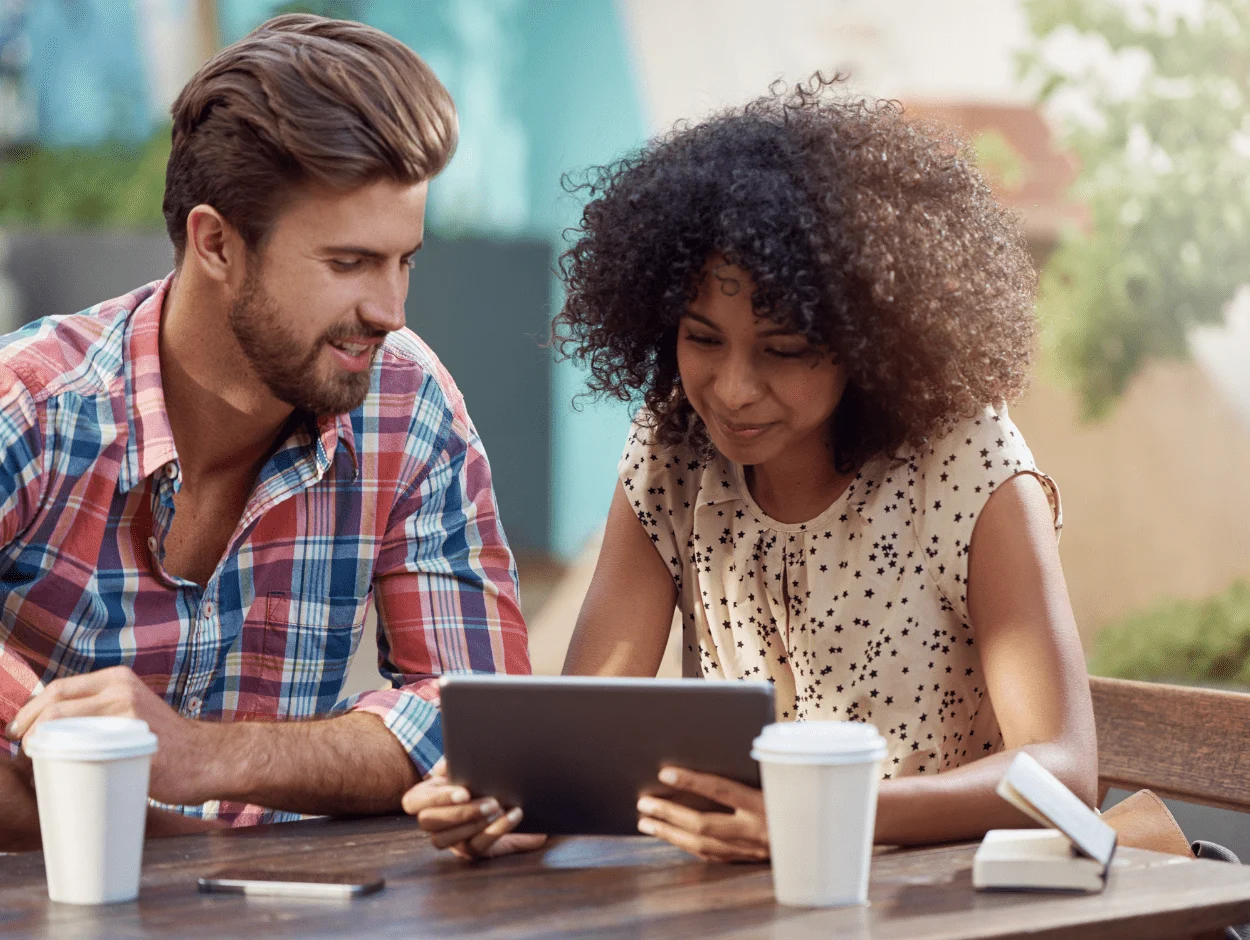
x,y
1187,641
1165,172
1003,163
109,185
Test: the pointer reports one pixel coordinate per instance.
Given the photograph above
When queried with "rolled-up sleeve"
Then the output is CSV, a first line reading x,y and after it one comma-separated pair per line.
x,y
446,589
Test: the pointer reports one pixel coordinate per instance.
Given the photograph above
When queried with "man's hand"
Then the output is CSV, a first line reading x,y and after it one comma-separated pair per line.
x,y
740,836
184,745
470,828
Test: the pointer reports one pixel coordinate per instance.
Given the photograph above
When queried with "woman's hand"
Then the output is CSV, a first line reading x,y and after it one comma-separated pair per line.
x,y
470,828
740,836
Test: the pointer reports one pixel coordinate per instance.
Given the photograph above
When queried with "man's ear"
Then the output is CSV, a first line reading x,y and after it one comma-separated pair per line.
x,y
217,247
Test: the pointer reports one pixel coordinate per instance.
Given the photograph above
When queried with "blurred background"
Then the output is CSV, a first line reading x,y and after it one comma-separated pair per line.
x,y
1120,130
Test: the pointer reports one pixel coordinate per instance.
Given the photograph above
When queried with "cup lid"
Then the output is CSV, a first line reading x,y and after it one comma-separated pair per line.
x,y
819,742
98,738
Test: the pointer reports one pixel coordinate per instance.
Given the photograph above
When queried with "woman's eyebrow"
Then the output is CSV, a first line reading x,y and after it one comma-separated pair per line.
x,y
704,320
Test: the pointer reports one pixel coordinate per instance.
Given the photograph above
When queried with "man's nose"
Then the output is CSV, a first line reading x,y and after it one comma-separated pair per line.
x,y
384,308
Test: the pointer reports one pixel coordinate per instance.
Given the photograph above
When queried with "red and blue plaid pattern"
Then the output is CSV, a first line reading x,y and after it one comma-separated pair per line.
x,y
391,502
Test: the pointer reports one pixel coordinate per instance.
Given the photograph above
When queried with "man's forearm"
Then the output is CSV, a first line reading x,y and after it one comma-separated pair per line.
x,y
19,814
346,765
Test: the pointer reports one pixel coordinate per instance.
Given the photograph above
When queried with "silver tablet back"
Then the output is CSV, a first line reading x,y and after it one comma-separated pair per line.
x,y
576,752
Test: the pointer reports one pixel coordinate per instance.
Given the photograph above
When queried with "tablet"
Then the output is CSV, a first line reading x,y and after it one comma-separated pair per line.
x,y
575,753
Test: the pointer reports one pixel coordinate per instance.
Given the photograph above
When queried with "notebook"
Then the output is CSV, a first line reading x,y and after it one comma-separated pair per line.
x,y
1073,852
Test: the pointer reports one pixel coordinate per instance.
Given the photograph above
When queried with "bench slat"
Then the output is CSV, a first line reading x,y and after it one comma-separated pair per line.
x,y
1188,743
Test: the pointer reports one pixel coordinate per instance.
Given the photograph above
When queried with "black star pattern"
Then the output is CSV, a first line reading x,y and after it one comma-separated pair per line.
x,y
844,613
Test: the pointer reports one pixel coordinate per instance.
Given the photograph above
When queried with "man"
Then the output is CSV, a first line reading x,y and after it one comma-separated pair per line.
x,y
204,482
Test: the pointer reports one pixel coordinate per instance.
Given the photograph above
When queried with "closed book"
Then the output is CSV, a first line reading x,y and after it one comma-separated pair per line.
x,y
1033,859
1072,853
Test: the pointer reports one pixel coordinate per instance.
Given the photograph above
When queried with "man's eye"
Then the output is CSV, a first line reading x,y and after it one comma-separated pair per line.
x,y
410,262
342,264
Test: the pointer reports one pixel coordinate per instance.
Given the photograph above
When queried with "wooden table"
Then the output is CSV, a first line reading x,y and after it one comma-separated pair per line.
x,y
603,887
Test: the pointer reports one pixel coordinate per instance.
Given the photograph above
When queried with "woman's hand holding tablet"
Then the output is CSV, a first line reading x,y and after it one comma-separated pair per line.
x,y
470,827
739,836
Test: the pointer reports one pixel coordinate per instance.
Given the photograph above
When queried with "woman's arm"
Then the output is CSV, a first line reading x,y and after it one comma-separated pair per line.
x,y
1035,672
625,619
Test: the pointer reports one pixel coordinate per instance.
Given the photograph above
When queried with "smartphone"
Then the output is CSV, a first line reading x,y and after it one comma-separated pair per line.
x,y
292,884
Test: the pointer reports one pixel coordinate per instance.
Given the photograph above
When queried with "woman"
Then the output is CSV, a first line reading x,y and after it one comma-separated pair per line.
x,y
824,313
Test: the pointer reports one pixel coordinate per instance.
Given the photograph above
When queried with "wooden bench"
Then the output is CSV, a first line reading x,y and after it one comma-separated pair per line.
x,y
1188,743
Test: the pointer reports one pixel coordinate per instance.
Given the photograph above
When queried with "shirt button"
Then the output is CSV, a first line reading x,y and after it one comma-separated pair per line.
x,y
208,608
171,470
152,544
193,706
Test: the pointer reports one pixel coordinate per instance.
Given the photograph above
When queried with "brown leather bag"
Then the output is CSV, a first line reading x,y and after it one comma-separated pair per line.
x,y
1143,821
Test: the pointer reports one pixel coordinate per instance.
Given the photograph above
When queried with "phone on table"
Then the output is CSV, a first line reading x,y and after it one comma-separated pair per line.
x,y
292,884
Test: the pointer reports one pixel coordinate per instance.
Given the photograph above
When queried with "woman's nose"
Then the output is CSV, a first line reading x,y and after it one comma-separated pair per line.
x,y
738,384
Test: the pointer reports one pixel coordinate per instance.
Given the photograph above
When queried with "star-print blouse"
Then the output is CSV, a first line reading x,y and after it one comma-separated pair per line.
x,y
860,613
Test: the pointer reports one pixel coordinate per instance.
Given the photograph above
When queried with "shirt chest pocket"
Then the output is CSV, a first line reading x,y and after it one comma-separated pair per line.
x,y
308,643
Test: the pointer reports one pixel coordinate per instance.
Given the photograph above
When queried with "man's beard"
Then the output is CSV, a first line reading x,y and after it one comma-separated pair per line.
x,y
290,373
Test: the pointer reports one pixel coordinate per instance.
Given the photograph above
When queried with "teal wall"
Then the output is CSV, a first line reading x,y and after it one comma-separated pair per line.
x,y
543,87
85,72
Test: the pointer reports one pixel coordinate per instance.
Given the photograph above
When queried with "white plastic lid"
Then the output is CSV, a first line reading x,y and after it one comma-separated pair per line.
x,y
91,739
819,742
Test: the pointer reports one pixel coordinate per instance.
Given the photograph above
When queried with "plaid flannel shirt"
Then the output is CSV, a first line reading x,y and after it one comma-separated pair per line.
x,y
392,502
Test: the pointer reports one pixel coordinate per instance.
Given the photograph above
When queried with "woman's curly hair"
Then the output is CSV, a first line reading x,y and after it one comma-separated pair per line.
x,y
874,236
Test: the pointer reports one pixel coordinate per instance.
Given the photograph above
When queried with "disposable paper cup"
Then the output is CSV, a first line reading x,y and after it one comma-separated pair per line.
x,y
91,781
820,795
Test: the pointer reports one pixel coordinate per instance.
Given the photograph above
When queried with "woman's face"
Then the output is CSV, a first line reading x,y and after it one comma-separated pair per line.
x,y
762,390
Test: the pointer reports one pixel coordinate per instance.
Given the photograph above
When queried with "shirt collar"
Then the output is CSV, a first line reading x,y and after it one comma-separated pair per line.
x,y
150,444
333,430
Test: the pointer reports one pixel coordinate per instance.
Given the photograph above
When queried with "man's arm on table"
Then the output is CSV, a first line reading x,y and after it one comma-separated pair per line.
x,y
19,813
349,764
447,601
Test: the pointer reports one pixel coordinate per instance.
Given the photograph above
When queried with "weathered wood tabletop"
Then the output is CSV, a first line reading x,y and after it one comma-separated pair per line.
x,y
603,887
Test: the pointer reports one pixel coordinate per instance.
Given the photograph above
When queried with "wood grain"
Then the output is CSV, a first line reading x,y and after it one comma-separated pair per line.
x,y
1193,744
600,887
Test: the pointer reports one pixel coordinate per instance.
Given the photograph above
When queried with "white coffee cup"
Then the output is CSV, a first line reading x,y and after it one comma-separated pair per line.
x,y
820,794
91,781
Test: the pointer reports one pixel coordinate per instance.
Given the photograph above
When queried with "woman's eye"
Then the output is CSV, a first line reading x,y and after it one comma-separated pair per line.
x,y
702,340
789,353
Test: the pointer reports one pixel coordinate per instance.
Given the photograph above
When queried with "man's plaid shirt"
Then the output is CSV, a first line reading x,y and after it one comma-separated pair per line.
x,y
391,502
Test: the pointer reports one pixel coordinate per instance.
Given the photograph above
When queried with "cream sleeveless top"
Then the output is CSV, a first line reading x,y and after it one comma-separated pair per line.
x,y
859,614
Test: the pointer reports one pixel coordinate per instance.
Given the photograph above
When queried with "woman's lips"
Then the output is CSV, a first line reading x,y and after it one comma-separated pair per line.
x,y
742,431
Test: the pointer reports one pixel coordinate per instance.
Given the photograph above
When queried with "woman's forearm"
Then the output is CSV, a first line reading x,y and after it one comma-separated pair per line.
x,y
962,804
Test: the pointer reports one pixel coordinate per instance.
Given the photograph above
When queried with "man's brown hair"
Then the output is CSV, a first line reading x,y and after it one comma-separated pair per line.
x,y
302,99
